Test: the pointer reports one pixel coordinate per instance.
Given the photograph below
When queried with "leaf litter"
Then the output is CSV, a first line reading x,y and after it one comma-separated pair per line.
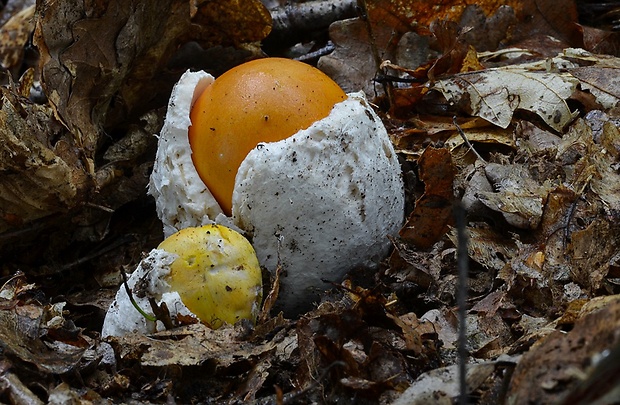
x,y
533,155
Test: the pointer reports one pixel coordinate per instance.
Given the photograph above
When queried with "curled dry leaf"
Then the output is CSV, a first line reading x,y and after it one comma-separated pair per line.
x,y
518,197
103,65
104,62
39,162
495,94
14,35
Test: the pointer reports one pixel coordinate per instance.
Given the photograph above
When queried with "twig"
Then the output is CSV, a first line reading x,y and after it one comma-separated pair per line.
x,y
311,15
461,299
469,145
326,50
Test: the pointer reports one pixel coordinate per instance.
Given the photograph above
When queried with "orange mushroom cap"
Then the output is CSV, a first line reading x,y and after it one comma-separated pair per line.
x,y
265,100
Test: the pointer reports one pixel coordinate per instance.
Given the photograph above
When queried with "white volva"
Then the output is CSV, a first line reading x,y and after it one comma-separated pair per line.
x,y
324,200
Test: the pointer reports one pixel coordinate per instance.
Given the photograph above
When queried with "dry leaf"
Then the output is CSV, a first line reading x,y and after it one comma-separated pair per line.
x,y
111,62
433,211
38,177
495,94
229,22
352,64
517,196
14,35
550,370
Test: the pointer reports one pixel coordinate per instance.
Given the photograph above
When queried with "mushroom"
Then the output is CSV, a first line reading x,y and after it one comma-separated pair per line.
x,y
318,186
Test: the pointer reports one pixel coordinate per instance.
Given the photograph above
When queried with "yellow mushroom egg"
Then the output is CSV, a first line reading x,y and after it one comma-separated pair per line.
x,y
216,274
210,273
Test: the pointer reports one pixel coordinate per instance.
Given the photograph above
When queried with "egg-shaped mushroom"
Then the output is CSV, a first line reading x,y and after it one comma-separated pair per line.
x,y
320,202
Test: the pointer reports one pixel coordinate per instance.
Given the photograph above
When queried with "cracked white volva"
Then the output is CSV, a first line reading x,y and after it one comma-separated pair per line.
x,y
322,201
148,280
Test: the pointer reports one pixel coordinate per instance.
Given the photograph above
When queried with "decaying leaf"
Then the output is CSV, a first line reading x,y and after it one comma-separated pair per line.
x,y
37,335
433,211
14,35
352,64
440,386
550,370
495,94
103,63
40,164
517,196
229,22
488,247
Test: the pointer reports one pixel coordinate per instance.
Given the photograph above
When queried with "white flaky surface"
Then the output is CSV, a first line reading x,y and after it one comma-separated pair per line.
x,y
325,199
182,199
148,280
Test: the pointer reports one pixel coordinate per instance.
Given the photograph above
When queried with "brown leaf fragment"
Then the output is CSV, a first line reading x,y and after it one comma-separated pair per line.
x,y
488,247
352,64
610,139
196,345
21,336
104,62
550,370
590,256
14,35
440,385
406,263
39,176
404,15
433,211
518,197
601,41
602,82
16,390
489,304
229,22
445,324
387,366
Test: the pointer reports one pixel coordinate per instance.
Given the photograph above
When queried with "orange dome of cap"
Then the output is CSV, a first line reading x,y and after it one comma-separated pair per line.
x,y
265,100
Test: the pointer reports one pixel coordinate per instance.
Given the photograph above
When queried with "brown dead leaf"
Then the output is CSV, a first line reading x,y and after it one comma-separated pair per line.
x,y
193,345
547,18
404,16
487,246
229,22
440,385
591,258
433,211
39,176
25,337
14,35
352,64
550,370
601,41
102,63
517,196
495,94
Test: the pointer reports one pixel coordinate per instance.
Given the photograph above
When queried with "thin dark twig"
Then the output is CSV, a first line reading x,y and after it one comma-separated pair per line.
x,y
384,78
469,145
463,270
